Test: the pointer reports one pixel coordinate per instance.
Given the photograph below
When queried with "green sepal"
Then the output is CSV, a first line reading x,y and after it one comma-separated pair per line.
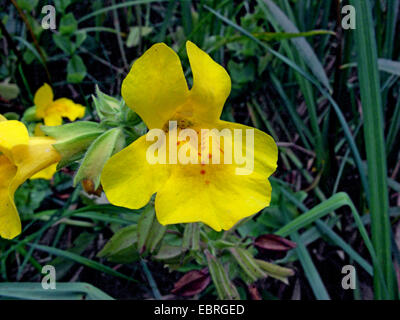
x,y
73,139
191,237
248,264
97,155
225,288
275,271
72,130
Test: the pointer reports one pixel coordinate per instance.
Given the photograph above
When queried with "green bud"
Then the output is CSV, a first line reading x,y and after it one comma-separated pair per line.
x,y
107,107
96,157
225,288
30,114
248,264
275,271
191,237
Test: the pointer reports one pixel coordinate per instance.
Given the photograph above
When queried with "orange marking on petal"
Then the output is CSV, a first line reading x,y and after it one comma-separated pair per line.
x,y
207,182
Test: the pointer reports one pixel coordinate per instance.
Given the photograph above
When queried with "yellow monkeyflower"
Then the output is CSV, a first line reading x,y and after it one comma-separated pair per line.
x,y
21,157
214,194
48,172
52,111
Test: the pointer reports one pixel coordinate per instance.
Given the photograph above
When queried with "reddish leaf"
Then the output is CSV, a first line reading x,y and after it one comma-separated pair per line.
x,y
273,242
192,283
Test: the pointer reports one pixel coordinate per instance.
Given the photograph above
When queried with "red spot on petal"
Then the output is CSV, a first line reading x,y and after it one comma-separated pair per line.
x,y
203,171
209,155
178,143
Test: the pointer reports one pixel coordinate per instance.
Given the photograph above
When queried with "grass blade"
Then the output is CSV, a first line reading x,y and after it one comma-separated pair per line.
x,y
63,291
375,146
305,50
82,260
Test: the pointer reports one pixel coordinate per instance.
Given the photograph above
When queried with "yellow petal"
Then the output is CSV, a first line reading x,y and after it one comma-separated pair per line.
x,y
10,224
27,160
129,180
68,109
211,84
43,98
156,86
2,118
53,119
265,149
32,158
215,194
12,133
46,174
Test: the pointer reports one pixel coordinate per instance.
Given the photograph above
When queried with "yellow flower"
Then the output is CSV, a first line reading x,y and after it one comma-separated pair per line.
x,y
52,111
21,157
48,172
214,194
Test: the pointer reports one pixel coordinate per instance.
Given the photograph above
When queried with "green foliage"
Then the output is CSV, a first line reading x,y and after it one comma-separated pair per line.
x,y
291,66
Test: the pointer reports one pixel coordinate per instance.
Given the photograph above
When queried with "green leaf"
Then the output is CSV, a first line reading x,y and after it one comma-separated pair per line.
x,y
122,247
27,5
68,24
64,43
76,69
169,254
80,37
61,5
389,66
135,33
9,91
144,226
156,234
